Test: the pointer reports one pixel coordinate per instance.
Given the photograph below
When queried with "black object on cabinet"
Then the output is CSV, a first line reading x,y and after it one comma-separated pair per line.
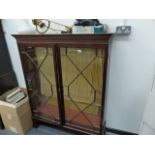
x,y
66,79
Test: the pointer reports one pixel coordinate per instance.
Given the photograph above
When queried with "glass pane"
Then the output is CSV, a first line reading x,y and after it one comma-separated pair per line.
x,y
40,76
82,74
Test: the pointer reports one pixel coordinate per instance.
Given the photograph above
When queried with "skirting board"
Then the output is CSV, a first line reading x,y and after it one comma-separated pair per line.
x,y
119,132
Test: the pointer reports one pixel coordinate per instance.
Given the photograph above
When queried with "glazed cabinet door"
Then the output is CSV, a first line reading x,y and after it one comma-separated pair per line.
x,y
83,72
40,75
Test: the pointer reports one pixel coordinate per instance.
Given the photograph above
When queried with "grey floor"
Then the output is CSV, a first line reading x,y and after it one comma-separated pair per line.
x,y
41,130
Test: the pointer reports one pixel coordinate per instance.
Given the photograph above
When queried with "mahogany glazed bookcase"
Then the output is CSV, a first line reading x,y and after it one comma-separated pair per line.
x,y
65,75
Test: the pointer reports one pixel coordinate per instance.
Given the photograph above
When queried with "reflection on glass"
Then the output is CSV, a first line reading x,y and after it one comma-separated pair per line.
x,y
40,76
82,73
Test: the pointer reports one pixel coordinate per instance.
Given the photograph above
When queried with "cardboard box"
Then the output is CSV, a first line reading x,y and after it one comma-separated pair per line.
x,y
83,29
90,29
16,117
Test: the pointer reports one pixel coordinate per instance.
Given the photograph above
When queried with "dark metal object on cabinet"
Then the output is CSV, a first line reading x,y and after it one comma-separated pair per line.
x,y
56,42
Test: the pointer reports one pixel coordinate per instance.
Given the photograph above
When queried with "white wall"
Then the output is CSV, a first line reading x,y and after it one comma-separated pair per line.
x,y
130,76
132,61
11,27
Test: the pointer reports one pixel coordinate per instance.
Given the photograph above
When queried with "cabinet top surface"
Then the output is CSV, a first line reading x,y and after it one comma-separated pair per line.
x,y
66,36
61,35
63,38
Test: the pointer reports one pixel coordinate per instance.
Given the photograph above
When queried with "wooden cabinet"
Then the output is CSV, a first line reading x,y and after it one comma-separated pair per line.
x,y
66,79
